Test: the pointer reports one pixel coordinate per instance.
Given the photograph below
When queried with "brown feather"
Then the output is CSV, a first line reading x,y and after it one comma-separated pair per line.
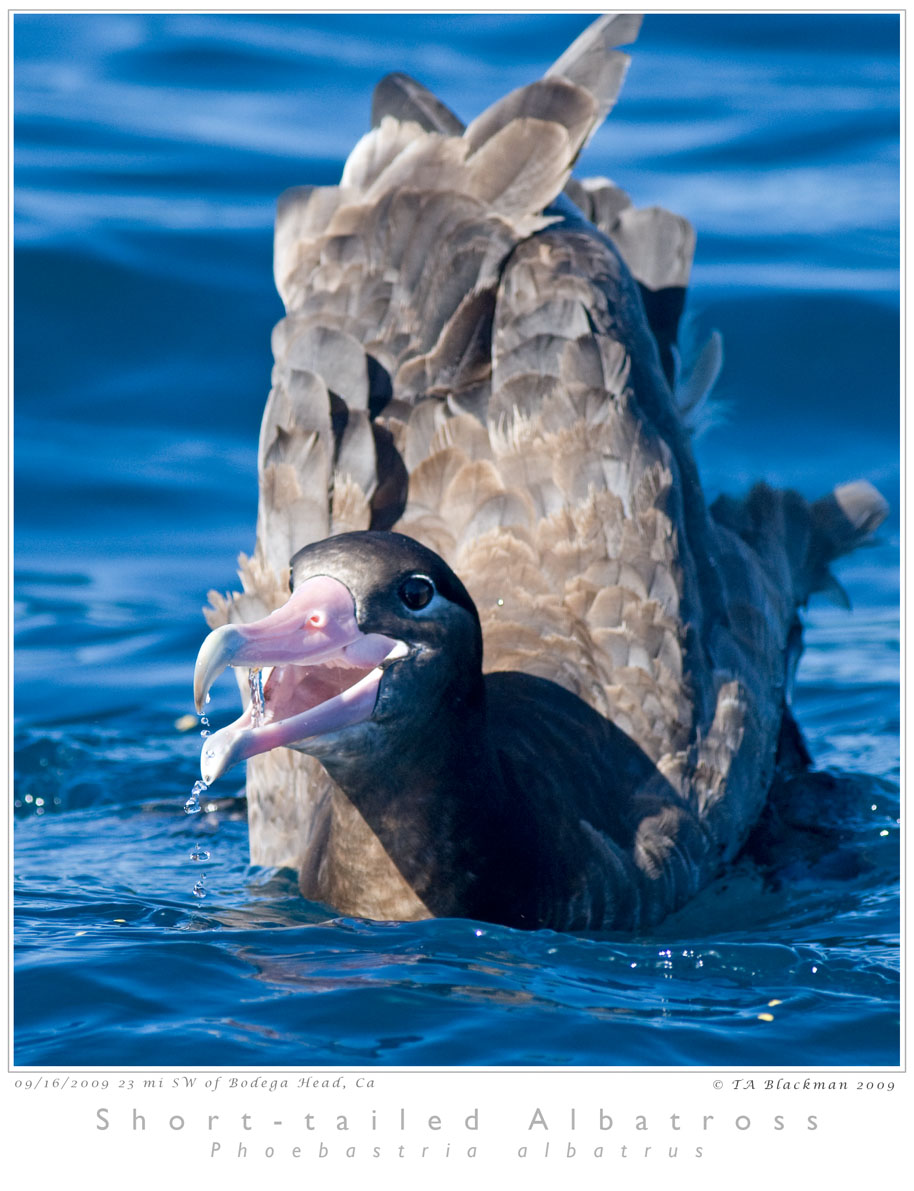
x,y
453,354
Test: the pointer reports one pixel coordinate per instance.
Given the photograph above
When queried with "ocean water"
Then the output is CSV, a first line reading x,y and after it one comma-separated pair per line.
x,y
149,151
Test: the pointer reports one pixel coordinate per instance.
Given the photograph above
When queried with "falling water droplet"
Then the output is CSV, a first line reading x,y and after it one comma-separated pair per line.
x,y
255,678
192,805
205,733
206,700
204,720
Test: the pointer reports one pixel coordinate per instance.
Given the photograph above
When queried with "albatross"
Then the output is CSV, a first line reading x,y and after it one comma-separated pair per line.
x,y
507,663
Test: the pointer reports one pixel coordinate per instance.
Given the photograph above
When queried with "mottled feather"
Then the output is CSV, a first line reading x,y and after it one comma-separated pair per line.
x,y
487,366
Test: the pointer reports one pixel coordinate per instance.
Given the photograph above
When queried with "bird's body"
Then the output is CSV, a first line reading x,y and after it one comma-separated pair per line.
x,y
470,360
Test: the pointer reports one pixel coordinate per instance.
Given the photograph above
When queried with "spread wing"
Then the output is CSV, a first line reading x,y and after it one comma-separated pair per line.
x,y
479,360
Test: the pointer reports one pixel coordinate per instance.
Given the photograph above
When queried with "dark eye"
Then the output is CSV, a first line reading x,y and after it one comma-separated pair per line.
x,y
416,592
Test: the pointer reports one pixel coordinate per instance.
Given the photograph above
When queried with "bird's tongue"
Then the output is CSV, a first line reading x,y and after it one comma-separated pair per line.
x,y
322,676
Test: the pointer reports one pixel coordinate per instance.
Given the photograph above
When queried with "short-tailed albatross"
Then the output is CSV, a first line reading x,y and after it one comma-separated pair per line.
x,y
476,377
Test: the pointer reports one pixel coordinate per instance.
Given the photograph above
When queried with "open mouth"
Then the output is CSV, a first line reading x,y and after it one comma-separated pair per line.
x,y
312,672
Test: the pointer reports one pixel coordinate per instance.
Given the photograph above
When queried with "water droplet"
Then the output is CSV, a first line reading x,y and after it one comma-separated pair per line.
x,y
206,700
205,733
198,853
192,806
204,720
198,890
500,603
255,679
209,754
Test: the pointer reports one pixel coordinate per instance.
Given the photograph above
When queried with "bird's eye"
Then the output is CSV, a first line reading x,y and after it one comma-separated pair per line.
x,y
416,592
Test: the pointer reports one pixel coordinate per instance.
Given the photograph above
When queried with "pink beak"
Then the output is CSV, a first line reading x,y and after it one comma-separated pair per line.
x,y
325,673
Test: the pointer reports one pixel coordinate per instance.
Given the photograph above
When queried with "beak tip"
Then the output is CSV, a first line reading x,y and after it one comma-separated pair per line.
x,y
216,653
219,753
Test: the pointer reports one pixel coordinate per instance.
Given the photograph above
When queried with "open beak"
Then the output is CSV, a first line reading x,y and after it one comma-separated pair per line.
x,y
320,673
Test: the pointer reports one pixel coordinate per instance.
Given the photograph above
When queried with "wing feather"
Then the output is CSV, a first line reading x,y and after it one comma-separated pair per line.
x,y
485,363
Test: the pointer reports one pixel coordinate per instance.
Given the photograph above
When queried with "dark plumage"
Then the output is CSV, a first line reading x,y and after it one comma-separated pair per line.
x,y
583,734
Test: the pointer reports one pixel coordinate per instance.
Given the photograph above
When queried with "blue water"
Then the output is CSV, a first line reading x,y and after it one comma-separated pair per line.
x,y
149,150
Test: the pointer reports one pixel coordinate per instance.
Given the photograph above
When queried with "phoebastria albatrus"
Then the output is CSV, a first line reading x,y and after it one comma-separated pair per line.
x,y
475,377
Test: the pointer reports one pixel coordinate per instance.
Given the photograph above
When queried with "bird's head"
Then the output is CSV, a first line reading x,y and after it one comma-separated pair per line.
x,y
379,635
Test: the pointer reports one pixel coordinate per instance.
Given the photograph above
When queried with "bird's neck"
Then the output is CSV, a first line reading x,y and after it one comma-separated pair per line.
x,y
436,803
